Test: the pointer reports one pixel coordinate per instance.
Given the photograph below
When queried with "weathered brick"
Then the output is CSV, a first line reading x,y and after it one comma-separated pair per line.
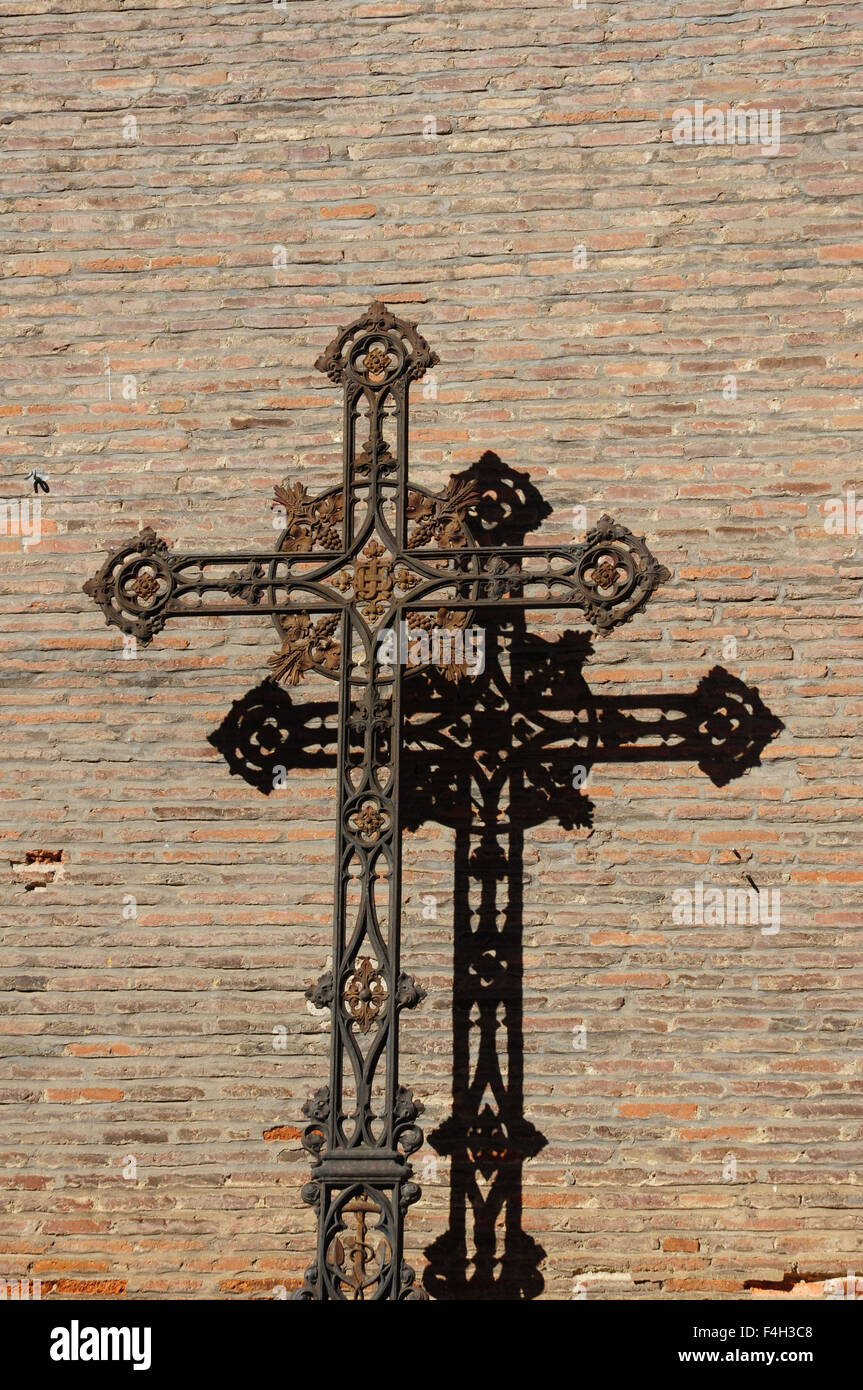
x,y
154,170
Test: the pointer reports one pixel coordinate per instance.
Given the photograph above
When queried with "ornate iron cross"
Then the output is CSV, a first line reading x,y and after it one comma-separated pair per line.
x,y
373,555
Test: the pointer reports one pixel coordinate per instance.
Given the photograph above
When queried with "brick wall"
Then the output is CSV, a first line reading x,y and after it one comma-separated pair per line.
x,y
505,174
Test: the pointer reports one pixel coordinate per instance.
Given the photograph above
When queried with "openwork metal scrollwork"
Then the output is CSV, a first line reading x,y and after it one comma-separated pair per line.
x,y
359,559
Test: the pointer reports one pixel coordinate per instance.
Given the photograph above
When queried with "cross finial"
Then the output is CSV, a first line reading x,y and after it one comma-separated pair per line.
x,y
402,352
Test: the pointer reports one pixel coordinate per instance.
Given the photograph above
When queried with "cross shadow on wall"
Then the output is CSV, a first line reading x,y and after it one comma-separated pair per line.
x,y
492,757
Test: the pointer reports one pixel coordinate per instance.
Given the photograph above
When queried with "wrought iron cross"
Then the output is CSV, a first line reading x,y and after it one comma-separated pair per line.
x,y
353,563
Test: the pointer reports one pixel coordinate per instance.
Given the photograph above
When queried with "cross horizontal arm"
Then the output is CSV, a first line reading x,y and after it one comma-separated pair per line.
x,y
610,576
142,584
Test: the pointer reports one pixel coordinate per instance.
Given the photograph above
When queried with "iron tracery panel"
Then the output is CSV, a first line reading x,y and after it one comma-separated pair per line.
x,y
351,563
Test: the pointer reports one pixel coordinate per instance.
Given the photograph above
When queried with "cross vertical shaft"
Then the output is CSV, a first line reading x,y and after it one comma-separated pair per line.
x,y
361,1134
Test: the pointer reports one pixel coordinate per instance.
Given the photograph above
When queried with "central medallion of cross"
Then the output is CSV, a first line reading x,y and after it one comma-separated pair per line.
x,y
373,556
